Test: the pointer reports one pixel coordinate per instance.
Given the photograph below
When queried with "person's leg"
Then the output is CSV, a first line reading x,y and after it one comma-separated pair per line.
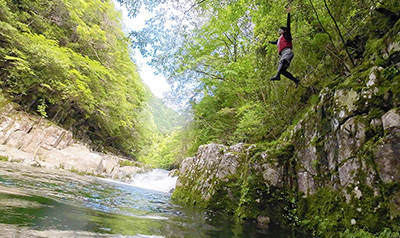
x,y
286,59
282,66
291,77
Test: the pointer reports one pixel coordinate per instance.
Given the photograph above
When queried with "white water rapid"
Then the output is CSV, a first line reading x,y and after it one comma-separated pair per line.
x,y
157,180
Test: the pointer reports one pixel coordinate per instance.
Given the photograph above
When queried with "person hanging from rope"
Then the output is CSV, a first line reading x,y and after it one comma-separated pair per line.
x,y
285,46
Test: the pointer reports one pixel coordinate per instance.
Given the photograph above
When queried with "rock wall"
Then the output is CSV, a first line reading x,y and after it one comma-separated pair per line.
x,y
205,173
35,141
357,156
342,161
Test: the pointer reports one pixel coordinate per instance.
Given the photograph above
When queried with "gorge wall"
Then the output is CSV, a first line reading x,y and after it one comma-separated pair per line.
x,y
336,169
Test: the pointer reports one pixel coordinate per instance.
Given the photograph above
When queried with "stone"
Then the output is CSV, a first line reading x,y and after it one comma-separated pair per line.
x,y
110,162
387,158
345,102
391,119
306,183
126,172
16,155
331,147
187,165
376,122
34,141
35,164
272,174
335,124
348,172
351,137
212,165
263,221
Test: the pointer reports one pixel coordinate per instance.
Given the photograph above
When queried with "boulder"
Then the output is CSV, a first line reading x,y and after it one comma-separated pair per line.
x,y
387,158
387,150
213,164
391,119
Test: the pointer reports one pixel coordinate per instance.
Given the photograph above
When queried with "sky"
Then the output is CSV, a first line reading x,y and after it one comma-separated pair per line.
x,y
157,83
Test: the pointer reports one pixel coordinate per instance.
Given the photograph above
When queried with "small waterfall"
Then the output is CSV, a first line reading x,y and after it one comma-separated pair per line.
x,y
157,180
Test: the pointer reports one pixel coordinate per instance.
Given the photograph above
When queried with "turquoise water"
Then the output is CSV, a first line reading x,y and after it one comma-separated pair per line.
x,y
39,202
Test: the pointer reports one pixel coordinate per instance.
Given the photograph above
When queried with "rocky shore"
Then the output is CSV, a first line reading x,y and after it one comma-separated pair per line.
x,y
35,141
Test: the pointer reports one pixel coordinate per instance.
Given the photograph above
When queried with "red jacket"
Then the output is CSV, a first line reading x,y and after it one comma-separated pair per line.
x,y
285,41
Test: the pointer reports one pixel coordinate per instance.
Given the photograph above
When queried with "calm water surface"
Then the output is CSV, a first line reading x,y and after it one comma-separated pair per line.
x,y
39,202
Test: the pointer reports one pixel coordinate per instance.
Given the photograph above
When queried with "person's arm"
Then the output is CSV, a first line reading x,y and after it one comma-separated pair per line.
x,y
288,35
273,42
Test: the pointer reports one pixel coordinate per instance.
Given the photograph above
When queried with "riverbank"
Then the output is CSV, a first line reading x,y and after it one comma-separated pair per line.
x,y
32,140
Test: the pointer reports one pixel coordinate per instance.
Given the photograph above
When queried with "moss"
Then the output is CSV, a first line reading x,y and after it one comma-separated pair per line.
x,y
3,158
189,197
314,99
366,153
315,140
360,233
259,199
245,195
3,100
394,202
124,163
376,113
322,213
390,72
390,192
327,214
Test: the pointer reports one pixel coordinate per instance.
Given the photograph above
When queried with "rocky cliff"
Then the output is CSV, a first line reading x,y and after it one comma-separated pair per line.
x,y
337,169
35,141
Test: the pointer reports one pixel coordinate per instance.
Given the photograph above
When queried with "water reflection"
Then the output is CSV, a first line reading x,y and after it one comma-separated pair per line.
x,y
40,202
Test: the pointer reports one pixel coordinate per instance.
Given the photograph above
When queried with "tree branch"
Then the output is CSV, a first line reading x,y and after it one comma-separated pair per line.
x,y
194,5
208,74
340,34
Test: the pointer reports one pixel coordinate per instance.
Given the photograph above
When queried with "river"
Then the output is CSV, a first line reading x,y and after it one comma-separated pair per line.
x,y
40,202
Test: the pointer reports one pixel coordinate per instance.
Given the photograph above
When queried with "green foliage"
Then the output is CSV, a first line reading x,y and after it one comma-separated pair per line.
x,y
69,61
218,53
223,54
387,233
165,118
167,150
221,58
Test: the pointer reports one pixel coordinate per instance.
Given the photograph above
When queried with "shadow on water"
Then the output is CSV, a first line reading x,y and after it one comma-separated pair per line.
x,y
40,202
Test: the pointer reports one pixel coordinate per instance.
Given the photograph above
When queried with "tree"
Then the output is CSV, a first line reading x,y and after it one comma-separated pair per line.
x,y
69,61
215,56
